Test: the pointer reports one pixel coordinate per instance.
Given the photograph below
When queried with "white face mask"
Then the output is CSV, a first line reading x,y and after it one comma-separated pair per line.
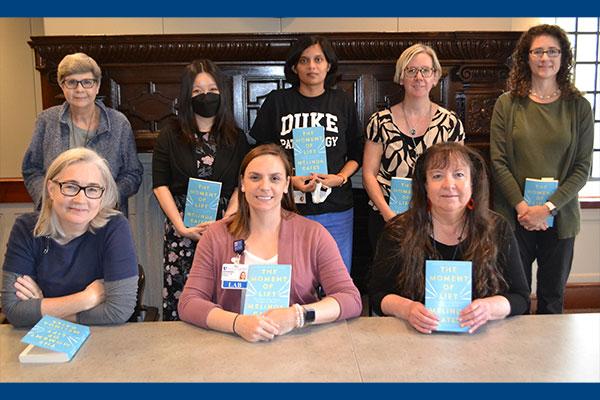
x,y
320,193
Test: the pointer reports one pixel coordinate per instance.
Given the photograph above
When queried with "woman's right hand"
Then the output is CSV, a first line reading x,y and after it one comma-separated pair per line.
x,y
27,288
255,328
94,293
304,184
387,214
194,232
421,318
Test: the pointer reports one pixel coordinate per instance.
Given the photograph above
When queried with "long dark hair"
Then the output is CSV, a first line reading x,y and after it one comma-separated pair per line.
x,y
239,226
296,51
519,79
224,129
411,232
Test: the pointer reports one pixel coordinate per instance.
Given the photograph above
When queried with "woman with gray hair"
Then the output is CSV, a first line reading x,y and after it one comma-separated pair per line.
x,y
82,121
75,259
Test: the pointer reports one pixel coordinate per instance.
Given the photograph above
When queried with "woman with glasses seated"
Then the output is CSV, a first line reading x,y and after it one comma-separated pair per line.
x,y
542,127
396,136
82,121
75,259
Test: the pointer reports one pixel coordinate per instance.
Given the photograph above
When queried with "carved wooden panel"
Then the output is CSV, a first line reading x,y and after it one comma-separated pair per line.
x,y
141,75
142,72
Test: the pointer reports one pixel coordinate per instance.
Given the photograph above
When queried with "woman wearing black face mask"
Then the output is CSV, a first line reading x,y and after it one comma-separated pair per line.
x,y
203,142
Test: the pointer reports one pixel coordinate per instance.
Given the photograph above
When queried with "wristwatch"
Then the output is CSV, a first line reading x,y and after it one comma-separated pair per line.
x,y
551,208
309,315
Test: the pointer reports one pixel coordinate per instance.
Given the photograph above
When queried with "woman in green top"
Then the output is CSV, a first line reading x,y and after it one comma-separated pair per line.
x,y
542,127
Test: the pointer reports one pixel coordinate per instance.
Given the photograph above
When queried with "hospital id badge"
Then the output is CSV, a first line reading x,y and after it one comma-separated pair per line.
x,y
299,197
234,276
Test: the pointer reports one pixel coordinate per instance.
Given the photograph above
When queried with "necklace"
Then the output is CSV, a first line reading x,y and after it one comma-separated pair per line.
x,y
87,130
413,131
542,97
460,238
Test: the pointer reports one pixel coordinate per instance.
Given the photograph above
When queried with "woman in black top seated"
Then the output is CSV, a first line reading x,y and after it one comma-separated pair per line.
x,y
448,219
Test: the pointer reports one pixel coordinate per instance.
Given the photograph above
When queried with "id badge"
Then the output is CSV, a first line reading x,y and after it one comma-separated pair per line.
x,y
299,197
234,276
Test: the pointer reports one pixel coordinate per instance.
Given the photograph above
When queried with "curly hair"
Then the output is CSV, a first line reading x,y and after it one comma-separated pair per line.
x,y
519,79
411,231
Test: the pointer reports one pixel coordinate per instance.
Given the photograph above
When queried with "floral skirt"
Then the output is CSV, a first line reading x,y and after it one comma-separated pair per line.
x,y
178,254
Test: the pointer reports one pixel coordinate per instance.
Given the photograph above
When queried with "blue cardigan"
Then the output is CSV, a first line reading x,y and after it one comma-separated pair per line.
x,y
113,141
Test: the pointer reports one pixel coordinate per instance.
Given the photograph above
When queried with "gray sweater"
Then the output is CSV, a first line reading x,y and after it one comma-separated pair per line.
x,y
113,140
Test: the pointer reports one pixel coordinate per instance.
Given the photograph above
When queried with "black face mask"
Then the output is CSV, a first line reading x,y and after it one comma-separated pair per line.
x,y
206,104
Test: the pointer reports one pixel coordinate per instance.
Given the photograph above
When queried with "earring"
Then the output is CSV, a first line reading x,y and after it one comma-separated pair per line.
x,y
471,204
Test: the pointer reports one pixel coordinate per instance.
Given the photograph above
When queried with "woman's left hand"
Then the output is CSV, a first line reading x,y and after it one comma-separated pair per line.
x,y
475,314
284,317
534,219
330,180
27,288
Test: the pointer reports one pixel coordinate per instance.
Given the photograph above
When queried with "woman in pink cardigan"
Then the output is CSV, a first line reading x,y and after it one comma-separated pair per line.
x,y
273,234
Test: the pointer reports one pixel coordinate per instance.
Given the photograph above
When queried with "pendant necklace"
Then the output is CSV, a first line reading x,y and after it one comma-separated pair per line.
x,y
460,238
413,131
89,125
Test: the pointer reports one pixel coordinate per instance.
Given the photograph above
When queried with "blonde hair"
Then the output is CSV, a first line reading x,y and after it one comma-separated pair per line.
x,y
78,63
410,53
47,223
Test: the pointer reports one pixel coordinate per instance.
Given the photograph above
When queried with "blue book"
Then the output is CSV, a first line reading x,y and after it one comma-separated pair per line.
x,y
400,194
309,151
53,340
268,287
201,202
538,191
448,291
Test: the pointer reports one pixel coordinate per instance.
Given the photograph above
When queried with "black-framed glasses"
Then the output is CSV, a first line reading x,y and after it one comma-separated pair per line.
x,y
85,83
426,72
552,52
71,189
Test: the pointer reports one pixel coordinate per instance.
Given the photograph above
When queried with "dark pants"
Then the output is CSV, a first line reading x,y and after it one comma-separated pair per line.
x,y
554,258
376,225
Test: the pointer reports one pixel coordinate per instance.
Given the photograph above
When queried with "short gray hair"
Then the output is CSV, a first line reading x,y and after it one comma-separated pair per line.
x,y
410,53
47,224
77,63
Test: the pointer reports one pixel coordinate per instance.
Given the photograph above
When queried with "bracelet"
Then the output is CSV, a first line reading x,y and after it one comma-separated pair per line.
x,y
234,321
344,179
299,315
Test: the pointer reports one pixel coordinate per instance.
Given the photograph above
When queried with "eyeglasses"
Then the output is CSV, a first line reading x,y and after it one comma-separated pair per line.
x,y
426,72
85,83
71,189
552,52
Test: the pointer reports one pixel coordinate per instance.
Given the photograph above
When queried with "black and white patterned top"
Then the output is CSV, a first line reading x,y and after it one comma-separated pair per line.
x,y
400,151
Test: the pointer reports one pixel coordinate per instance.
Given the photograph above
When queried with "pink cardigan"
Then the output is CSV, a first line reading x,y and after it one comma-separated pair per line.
x,y
303,243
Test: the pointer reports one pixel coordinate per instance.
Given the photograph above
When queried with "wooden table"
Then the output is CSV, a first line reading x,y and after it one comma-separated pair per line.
x,y
526,348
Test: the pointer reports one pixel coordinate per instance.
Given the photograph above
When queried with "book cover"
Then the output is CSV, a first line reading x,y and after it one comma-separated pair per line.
x,y
309,151
448,291
53,340
400,194
538,191
201,202
268,287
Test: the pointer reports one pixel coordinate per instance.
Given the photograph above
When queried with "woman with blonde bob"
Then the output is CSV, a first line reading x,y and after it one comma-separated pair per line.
x,y
75,259
272,234
397,135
